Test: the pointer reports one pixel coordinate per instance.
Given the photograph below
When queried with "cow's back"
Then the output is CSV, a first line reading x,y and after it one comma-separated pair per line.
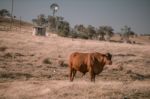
x,y
78,61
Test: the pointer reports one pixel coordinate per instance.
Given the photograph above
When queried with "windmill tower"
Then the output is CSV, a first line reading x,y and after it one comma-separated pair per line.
x,y
55,7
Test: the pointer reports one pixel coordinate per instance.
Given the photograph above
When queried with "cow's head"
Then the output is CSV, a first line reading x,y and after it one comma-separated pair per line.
x,y
108,60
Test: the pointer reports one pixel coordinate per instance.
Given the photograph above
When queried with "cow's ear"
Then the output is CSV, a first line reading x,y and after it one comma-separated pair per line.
x,y
108,55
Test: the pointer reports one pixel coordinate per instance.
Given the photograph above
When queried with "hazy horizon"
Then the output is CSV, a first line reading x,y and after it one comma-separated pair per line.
x,y
115,13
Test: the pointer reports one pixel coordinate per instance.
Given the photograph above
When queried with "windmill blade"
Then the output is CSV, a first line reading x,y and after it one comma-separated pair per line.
x,y
54,7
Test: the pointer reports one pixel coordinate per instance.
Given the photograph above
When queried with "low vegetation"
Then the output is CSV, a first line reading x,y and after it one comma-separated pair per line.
x,y
58,25
47,61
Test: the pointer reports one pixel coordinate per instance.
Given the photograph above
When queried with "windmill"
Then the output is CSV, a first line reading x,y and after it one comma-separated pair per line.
x,y
54,7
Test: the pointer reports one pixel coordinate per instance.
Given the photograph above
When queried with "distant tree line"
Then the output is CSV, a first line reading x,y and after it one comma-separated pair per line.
x,y
90,32
126,33
54,24
146,34
58,25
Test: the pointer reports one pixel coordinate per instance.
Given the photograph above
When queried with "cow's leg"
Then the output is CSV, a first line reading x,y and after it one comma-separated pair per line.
x,y
71,74
83,74
92,75
74,73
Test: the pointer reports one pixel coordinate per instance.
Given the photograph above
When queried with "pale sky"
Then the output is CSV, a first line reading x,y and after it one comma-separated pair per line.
x,y
115,13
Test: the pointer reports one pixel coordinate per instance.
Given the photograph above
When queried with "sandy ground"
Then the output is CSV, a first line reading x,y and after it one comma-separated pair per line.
x,y
34,67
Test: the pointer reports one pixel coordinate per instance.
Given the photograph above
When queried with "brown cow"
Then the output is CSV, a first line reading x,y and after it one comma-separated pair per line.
x,y
88,62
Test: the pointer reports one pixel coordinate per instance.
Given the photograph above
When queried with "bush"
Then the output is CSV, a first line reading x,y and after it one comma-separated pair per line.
x,y
8,55
73,35
62,63
47,61
63,34
3,48
83,36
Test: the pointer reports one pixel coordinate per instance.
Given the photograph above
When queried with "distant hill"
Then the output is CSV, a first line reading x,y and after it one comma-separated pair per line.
x,y
5,23
28,27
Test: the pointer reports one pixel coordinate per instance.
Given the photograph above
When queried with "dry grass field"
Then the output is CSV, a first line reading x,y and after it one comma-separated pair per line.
x,y
35,67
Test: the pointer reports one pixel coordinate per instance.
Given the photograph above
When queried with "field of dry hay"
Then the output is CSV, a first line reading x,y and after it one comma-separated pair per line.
x,y
34,67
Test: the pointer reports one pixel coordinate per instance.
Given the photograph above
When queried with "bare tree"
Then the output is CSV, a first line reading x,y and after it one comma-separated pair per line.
x,y
126,33
105,31
91,32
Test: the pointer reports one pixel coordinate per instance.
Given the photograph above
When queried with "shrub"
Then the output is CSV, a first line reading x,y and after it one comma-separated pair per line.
x,y
62,63
83,36
3,48
47,61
